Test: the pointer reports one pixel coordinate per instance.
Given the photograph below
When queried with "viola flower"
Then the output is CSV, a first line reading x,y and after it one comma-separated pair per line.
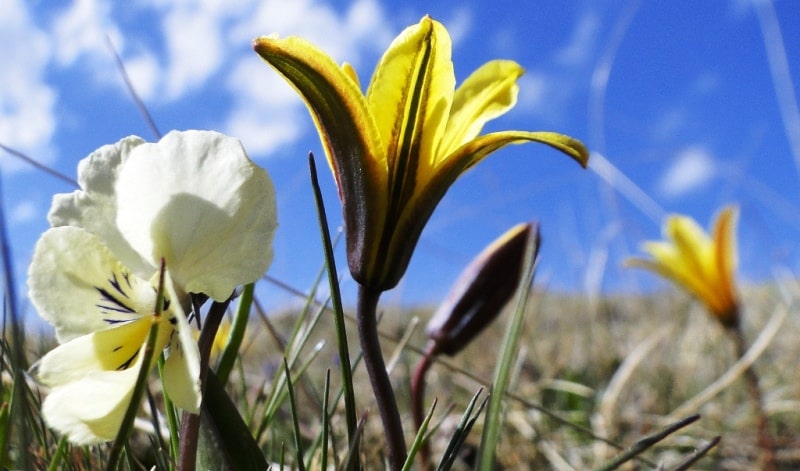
x,y
396,150
195,201
703,265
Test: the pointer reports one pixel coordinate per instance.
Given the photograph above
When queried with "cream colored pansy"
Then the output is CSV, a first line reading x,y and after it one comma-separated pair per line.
x,y
195,201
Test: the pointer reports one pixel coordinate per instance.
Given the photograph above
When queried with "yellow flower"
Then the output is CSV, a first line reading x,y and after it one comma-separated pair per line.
x,y
702,264
396,150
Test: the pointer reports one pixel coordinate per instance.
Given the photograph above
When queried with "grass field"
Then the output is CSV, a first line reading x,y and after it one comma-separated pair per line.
x,y
620,368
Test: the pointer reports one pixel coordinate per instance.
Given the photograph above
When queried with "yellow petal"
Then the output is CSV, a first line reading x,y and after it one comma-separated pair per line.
x,y
114,349
348,70
349,136
692,243
486,94
726,257
477,149
337,105
409,97
725,243
418,210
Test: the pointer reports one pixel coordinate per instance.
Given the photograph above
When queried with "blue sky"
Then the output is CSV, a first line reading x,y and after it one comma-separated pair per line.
x,y
684,103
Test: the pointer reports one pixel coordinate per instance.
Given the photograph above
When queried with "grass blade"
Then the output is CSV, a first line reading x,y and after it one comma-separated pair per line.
x,y
462,431
502,376
336,300
295,422
236,335
419,439
644,443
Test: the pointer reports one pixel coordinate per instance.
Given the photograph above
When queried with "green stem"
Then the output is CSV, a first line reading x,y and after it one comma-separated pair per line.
x,y
376,369
59,455
190,428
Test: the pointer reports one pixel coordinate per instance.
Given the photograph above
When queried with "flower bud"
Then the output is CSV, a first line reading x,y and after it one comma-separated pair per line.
x,y
482,290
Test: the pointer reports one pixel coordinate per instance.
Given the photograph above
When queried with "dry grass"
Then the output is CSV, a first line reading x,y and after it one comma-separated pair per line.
x,y
572,366
616,368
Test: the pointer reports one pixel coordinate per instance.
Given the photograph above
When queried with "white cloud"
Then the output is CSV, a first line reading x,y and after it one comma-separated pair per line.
x,y
578,50
190,45
267,113
344,36
533,91
553,87
144,73
705,83
22,212
458,24
669,123
194,44
692,168
80,31
27,103
261,133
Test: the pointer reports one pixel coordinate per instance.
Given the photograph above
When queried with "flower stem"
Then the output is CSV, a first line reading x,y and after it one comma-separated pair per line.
x,y
418,399
190,427
765,441
376,369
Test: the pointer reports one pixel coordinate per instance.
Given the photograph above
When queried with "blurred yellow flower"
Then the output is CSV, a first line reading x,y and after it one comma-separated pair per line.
x,y
702,264
220,338
396,150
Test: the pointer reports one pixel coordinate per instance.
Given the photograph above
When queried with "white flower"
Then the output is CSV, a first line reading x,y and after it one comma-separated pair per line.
x,y
194,200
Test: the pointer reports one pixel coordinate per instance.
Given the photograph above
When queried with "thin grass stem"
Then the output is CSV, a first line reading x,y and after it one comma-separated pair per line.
x,y
55,463
645,443
419,439
141,380
502,376
236,335
418,398
336,300
764,439
298,442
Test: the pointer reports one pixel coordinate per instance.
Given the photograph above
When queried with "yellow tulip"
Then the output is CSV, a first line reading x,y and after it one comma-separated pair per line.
x,y
702,264
396,150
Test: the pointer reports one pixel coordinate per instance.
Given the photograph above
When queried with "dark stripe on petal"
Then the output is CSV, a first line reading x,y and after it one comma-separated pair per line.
x,y
120,306
127,363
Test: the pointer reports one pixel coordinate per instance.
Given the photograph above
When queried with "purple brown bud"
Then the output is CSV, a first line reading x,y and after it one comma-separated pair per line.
x,y
482,290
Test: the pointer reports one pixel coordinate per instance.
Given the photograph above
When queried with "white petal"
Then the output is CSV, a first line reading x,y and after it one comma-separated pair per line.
x,y
79,286
90,411
93,207
198,201
89,396
92,379
182,369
